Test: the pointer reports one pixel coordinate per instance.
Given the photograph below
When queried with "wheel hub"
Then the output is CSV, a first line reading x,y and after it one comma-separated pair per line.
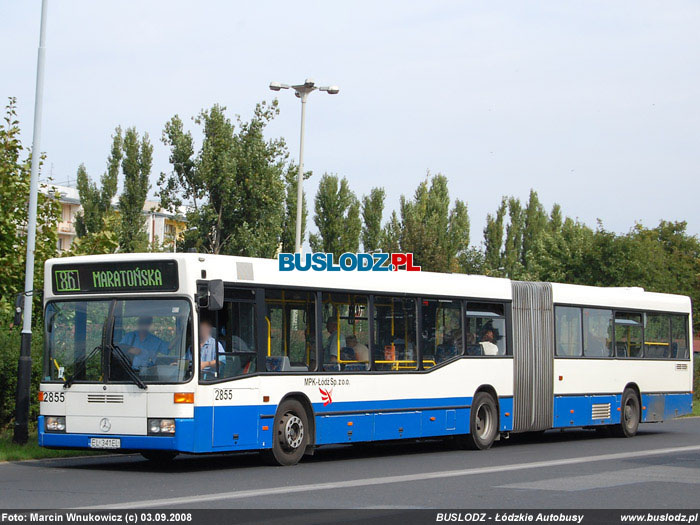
x,y
294,432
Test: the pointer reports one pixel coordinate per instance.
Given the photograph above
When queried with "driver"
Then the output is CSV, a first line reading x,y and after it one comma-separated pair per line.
x,y
142,345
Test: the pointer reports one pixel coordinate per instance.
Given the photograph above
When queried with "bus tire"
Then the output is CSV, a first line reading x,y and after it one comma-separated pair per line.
x,y
290,435
483,422
630,415
159,457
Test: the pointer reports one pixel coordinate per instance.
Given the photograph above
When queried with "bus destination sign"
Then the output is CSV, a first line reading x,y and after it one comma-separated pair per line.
x,y
137,276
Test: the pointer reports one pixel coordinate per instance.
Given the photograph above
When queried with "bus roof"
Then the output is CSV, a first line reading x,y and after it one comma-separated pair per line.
x,y
254,271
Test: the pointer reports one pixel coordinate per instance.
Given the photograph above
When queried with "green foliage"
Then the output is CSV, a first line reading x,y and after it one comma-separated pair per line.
x,y
9,356
337,217
493,240
104,241
136,166
97,202
391,234
372,211
235,185
436,235
15,174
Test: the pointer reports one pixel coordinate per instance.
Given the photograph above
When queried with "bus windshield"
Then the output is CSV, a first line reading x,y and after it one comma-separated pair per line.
x,y
118,341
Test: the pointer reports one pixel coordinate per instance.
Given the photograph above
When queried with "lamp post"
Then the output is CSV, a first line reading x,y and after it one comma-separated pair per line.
x,y
302,92
24,366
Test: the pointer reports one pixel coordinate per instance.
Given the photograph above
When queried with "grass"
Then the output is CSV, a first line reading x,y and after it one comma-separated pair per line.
x,y
9,451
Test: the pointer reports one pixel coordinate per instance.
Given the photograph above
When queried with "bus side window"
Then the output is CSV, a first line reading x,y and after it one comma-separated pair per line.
x,y
568,327
345,333
394,347
235,333
597,332
290,319
657,336
485,329
679,337
628,334
442,331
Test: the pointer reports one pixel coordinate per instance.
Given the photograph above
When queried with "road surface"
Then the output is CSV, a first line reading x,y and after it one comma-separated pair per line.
x,y
660,468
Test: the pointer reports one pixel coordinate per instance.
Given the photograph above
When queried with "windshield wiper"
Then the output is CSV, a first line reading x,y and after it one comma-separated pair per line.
x,y
126,364
80,367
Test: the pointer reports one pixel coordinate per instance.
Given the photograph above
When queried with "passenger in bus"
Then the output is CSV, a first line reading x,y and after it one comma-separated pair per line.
x,y
142,344
330,348
488,341
208,347
361,352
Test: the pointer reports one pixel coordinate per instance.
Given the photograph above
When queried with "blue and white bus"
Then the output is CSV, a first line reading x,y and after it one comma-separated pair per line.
x,y
170,353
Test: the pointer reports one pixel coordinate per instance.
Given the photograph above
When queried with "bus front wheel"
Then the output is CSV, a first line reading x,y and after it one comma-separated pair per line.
x,y
483,422
290,435
630,414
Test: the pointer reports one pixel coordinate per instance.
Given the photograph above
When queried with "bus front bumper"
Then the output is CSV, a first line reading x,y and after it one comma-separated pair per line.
x,y
182,440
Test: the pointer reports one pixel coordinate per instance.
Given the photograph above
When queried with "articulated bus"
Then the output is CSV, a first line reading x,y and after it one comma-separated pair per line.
x,y
186,353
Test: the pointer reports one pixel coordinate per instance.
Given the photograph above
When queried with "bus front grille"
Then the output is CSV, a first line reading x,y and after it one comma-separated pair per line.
x,y
105,398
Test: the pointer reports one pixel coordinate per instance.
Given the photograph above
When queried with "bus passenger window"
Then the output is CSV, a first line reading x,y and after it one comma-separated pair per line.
x,y
679,337
657,336
395,333
485,329
568,328
345,332
442,331
235,333
290,319
628,334
597,332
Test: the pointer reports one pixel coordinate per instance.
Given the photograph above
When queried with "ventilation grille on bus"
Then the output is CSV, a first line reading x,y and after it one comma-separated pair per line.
x,y
681,366
105,398
600,411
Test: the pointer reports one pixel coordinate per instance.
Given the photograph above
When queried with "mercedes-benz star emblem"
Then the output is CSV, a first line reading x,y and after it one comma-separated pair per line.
x,y
105,424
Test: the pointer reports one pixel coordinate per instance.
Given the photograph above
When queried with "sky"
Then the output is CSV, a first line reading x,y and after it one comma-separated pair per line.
x,y
595,105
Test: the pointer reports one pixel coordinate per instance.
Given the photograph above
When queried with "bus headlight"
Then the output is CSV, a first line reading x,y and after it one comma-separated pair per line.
x,y
55,423
161,426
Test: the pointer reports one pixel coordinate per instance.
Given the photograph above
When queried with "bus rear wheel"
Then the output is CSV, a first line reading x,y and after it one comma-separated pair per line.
x,y
483,422
290,435
630,415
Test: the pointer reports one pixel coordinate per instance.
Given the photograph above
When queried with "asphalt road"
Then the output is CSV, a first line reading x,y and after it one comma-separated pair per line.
x,y
660,468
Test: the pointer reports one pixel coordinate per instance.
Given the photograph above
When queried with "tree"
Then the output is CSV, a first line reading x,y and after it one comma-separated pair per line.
x,y
15,173
391,235
97,201
512,253
337,217
290,213
434,234
136,166
535,221
234,186
493,240
372,211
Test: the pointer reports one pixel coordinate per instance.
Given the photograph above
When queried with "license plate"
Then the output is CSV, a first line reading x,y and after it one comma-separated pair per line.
x,y
105,443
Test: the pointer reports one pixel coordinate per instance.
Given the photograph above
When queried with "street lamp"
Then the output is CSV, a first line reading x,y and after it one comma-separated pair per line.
x,y
302,92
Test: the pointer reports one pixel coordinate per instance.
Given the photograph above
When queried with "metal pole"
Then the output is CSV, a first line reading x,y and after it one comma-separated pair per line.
x,y
24,367
300,179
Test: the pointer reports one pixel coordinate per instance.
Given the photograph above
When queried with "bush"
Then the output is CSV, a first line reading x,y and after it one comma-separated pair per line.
x,y
9,356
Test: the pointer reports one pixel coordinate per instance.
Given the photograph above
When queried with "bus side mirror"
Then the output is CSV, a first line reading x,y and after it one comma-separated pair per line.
x,y
210,295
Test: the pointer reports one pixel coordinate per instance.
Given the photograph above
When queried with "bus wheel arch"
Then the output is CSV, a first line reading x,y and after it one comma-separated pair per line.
x,y
630,411
291,433
484,419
